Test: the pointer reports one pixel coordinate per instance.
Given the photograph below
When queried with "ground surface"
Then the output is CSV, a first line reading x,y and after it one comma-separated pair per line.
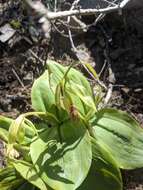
x,y
118,42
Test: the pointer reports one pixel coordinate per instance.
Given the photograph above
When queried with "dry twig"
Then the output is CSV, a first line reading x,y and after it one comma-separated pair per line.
x,y
18,78
41,9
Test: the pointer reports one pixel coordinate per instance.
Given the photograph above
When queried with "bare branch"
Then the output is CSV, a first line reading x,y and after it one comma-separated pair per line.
x,y
41,9
109,94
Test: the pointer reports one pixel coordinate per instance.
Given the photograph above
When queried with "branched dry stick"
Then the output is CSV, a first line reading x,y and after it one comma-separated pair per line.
x,y
41,9
101,15
78,22
77,53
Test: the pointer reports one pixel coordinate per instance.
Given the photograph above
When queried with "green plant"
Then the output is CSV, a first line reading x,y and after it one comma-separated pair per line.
x,y
68,143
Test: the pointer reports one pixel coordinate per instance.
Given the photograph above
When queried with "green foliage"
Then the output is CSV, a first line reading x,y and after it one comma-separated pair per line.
x,y
59,157
71,144
121,135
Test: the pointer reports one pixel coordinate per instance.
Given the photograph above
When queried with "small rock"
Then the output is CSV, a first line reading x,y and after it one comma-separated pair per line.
x,y
126,90
28,78
138,90
7,32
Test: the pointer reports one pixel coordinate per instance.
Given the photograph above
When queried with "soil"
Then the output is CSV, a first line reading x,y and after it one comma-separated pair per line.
x,y
119,41
116,43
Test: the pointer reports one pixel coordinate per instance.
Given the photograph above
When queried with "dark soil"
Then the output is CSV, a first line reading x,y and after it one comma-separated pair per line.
x,y
118,41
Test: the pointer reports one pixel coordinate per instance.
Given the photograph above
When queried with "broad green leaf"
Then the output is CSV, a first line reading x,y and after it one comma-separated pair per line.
x,y
42,94
46,90
28,172
58,70
100,180
104,159
104,173
81,92
76,86
122,136
64,155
